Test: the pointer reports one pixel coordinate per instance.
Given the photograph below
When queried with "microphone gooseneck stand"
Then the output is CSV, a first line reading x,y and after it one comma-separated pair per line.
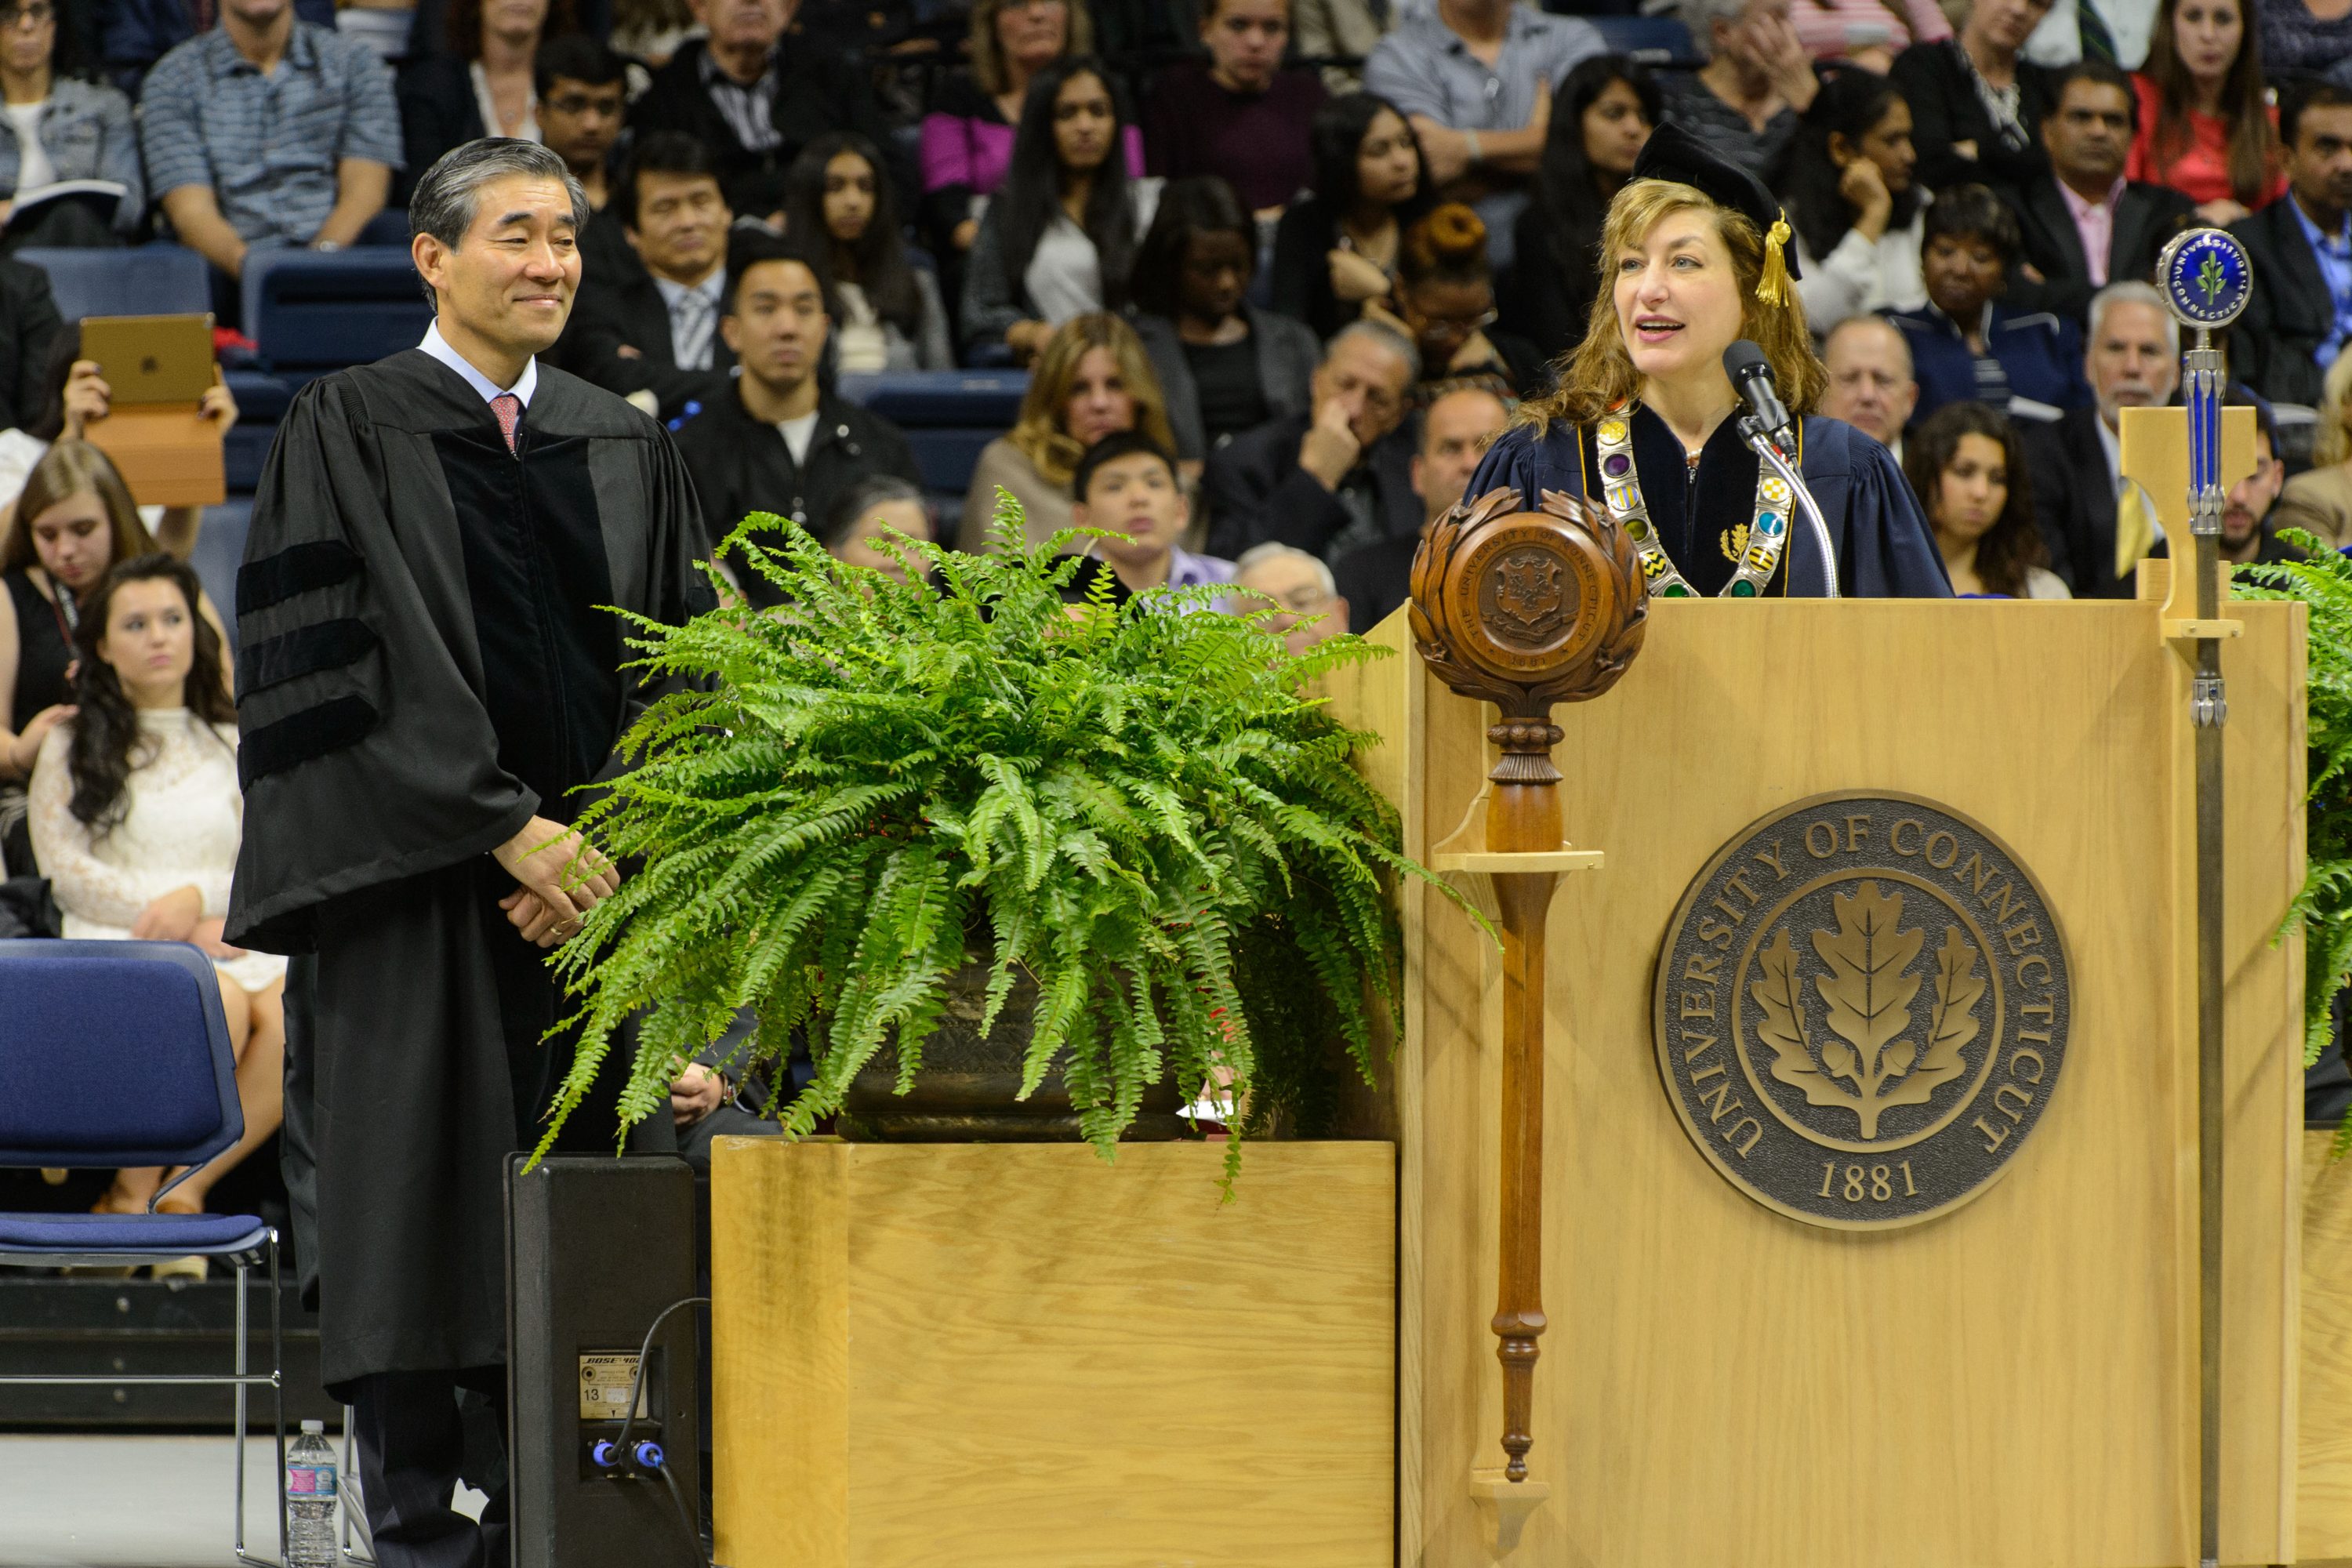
x,y
1760,439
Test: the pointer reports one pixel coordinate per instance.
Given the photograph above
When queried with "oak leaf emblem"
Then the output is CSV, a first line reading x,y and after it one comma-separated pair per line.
x,y
1869,994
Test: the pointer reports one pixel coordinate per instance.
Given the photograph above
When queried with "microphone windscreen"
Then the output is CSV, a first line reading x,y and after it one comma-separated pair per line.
x,y
1744,359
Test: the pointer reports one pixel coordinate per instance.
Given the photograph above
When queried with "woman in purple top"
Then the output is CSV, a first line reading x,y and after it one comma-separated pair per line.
x,y
967,144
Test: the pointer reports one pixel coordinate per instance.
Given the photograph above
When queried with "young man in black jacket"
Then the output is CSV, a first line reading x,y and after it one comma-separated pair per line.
x,y
780,443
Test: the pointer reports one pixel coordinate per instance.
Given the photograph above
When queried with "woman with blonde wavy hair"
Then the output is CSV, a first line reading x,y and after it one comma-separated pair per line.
x,y
1092,379
1696,255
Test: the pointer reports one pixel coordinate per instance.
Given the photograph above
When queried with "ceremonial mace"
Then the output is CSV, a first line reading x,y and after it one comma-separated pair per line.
x,y
2206,282
1524,609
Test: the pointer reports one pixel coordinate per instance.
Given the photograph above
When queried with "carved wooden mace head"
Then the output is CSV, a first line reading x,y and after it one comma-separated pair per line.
x,y
1524,609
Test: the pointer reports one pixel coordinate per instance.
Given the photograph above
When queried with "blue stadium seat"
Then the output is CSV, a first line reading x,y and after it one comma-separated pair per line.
x,y
220,551
146,281
948,416
1652,40
308,312
261,402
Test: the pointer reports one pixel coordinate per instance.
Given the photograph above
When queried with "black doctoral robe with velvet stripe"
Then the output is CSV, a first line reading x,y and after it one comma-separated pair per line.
x,y
1884,549
427,662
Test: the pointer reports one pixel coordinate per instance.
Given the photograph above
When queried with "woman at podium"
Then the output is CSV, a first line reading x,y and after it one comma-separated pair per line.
x,y
1695,253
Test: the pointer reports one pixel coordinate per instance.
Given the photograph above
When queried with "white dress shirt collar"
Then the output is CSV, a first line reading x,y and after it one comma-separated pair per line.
x,y
438,347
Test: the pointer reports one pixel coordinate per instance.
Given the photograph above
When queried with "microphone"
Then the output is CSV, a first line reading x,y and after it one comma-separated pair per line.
x,y
1751,377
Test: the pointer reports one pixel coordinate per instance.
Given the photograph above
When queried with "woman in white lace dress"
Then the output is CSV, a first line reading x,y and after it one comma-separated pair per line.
x,y
136,816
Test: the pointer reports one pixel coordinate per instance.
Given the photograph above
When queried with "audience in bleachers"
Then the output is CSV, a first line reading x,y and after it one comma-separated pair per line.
x,y
1455,430
1307,606
1964,464
486,84
1127,486
268,130
54,127
1746,100
1334,477
967,134
1336,250
1602,119
839,206
2321,498
1965,346
655,328
2300,310
777,441
136,816
1445,303
1870,379
2132,362
1059,238
1093,380
755,96
1475,79
2085,224
1853,204
1239,115
1977,103
1224,365
2206,128
858,529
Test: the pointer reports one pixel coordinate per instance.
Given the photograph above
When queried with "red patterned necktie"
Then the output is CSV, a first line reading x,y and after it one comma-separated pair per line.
x,y
508,408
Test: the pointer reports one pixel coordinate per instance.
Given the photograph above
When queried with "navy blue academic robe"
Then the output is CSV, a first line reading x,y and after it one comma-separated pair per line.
x,y
1885,550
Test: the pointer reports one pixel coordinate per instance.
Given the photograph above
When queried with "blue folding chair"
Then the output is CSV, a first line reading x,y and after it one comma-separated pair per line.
x,y
142,1019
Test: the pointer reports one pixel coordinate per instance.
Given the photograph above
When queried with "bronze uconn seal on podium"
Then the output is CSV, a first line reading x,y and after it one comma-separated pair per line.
x,y
1862,1010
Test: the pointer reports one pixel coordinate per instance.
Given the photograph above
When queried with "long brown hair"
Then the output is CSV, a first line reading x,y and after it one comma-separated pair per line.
x,y
2014,543
988,55
68,469
102,754
1599,374
2254,144
1038,435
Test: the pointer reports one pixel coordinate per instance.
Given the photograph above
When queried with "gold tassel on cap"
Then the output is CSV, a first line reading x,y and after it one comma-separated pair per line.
x,y
1772,288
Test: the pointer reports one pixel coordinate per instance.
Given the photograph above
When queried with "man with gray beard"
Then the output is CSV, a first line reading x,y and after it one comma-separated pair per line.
x,y
2132,359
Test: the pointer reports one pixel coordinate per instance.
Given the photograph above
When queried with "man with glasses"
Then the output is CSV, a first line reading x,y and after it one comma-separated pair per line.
x,y
583,88
268,130
1334,479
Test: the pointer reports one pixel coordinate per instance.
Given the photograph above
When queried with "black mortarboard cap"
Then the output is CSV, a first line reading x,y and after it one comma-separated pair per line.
x,y
1674,153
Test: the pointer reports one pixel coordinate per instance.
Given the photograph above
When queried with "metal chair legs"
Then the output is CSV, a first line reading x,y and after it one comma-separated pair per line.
x,y
278,1395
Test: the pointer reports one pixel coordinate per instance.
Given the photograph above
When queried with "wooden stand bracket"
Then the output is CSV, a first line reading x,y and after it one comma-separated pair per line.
x,y
1504,1508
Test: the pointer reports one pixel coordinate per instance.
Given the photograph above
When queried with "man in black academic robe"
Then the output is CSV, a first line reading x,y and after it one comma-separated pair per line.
x,y
428,673
778,442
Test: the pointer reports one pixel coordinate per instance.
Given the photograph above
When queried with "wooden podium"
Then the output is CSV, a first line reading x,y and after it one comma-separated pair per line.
x,y
2013,1384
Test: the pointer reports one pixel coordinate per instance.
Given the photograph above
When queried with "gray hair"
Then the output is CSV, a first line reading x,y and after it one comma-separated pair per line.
x,y
2129,293
1258,555
1699,18
1910,367
1387,337
444,202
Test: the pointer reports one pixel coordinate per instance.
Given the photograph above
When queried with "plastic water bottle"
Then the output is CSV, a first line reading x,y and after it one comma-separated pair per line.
x,y
310,1500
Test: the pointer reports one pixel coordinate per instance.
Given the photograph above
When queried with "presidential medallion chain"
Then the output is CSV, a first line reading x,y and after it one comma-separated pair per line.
x,y
1621,492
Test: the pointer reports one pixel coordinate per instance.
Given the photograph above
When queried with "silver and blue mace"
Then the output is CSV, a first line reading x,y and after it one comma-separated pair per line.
x,y
2206,279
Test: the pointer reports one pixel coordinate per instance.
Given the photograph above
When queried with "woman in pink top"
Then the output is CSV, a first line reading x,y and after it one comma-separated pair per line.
x,y
1866,32
968,135
2206,128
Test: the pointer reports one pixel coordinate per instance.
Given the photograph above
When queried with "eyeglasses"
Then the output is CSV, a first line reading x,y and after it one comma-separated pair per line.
x,y
1461,327
37,15
580,103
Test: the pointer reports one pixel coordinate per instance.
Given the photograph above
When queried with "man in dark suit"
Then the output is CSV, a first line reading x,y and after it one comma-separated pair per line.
x,y
2133,360
2085,201
755,97
776,441
2301,244
1334,479
655,328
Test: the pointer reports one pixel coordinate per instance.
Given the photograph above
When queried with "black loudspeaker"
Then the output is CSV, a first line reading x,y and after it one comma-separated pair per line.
x,y
598,1248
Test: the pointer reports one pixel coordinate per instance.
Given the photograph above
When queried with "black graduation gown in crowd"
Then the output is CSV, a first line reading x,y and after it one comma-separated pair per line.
x,y
1885,550
425,666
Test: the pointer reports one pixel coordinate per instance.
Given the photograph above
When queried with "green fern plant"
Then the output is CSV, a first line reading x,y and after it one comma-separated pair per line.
x,y
2324,907
1144,809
